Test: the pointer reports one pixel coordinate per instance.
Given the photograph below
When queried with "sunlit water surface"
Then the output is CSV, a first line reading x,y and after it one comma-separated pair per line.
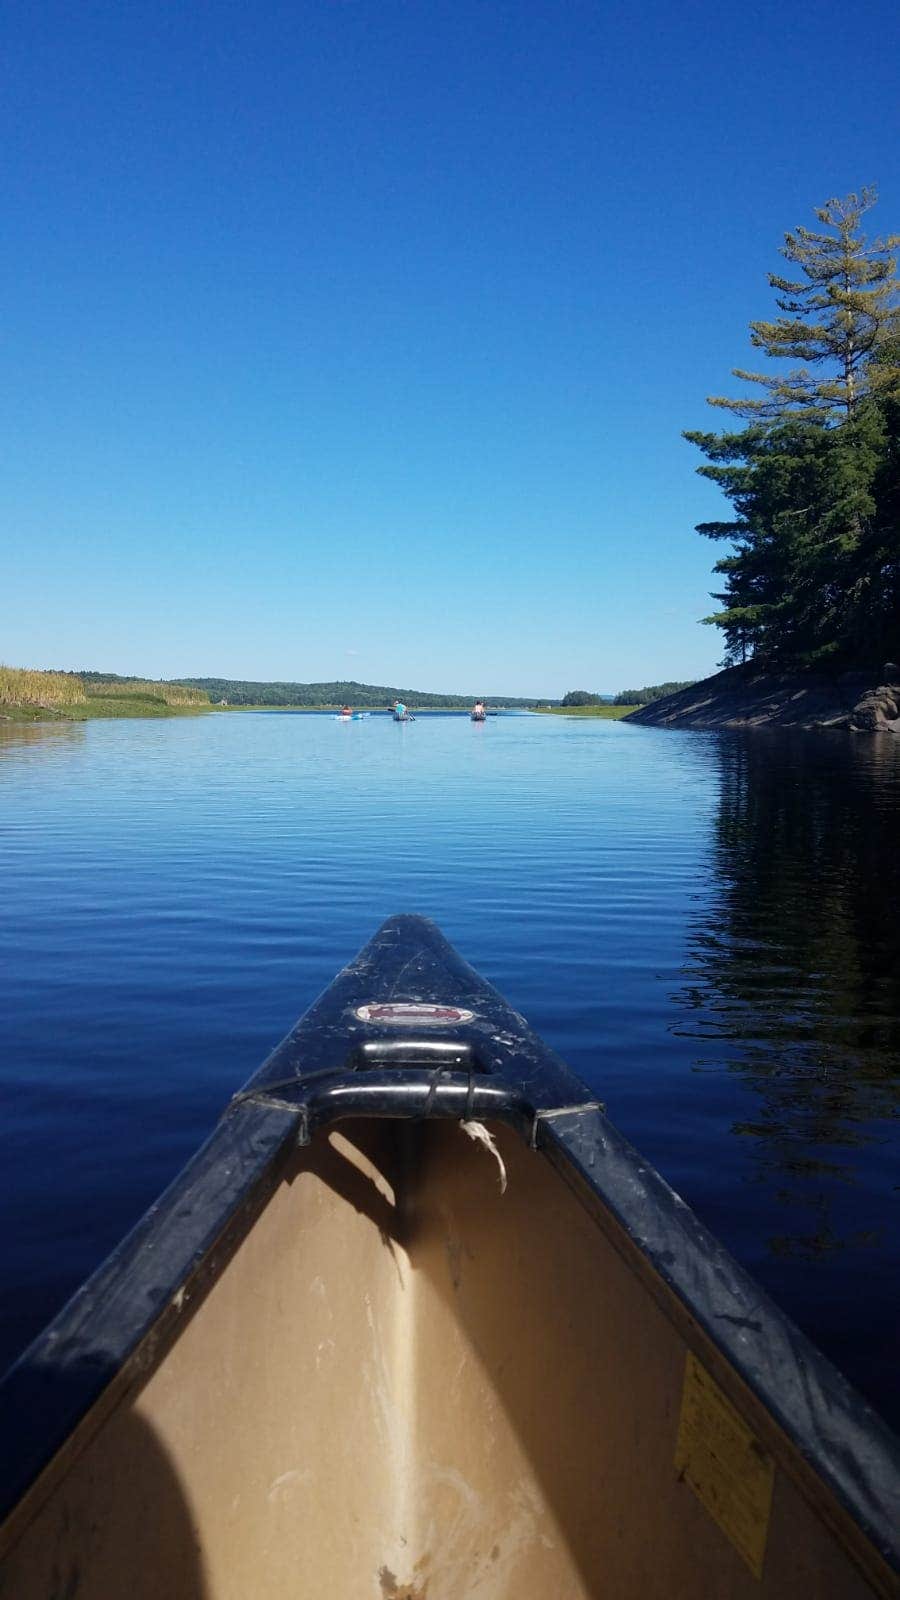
x,y
704,924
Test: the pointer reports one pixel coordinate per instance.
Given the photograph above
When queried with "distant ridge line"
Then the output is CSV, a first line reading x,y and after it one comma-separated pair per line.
x,y
244,691
337,692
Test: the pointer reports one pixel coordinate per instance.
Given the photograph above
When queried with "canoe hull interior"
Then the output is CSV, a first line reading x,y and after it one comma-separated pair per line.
x,y
396,1382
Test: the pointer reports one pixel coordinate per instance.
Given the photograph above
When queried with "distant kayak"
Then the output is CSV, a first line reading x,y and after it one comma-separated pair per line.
x,y
351,716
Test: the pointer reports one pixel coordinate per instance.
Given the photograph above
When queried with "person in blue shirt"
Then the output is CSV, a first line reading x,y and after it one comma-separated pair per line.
x,y
399,709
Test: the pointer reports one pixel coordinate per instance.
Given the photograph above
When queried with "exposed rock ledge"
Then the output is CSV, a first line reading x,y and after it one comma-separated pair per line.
x,y
741,697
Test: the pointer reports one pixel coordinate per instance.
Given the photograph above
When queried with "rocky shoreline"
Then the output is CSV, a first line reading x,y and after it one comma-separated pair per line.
x,y
741,697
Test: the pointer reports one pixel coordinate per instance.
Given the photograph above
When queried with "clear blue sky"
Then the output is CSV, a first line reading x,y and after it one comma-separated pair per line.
x,y
354,338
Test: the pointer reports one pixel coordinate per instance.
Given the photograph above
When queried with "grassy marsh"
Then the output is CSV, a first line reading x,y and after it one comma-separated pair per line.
x,y
33,696
609,712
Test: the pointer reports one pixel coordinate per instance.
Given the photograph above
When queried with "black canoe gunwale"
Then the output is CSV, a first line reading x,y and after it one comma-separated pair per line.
x,y
490,1065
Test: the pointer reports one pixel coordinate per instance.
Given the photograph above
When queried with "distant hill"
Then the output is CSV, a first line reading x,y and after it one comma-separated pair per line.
x,y
239,692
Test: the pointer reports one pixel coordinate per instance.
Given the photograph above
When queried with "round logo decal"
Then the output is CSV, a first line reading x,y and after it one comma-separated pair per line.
x,y
413,1013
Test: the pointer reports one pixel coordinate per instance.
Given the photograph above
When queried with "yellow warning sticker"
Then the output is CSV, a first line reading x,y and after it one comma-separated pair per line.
x,y
725,1465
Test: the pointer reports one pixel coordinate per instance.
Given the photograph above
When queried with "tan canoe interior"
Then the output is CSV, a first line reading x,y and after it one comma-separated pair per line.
x,y
407,1386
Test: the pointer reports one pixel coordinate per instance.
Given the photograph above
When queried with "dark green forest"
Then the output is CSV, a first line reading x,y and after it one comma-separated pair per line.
x,y
577,698
812,578
361,696
651,692
368,696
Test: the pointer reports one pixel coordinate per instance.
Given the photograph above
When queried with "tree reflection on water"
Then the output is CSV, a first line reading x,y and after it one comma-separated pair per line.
x,y
794,969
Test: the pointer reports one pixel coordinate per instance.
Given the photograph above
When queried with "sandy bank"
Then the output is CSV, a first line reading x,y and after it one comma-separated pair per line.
x,y
742,697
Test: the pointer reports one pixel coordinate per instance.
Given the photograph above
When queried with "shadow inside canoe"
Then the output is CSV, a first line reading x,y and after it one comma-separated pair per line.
x,y
123,1527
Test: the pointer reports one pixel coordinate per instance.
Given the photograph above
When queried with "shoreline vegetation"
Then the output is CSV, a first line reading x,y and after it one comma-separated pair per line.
x,y
610,712
36,696
41,696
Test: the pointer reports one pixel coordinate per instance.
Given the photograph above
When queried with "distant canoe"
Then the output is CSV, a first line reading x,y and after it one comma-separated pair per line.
x,y
417,1320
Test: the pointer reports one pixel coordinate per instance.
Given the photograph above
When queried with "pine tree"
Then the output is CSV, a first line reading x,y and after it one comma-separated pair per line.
x,y
839,316
813,478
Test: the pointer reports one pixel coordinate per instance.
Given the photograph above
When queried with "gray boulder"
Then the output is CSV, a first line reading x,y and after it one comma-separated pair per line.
x,y
868,715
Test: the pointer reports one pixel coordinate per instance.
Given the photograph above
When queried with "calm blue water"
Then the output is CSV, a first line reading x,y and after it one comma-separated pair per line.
x,y
704,924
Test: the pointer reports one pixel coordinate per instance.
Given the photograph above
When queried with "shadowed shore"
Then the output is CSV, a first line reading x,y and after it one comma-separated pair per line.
x,y
744,697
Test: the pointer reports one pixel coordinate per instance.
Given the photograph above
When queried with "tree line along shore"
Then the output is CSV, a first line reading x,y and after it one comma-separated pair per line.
x,y
34,696
38,696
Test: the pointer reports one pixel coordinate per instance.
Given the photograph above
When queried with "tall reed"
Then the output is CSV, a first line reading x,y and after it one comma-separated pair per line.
x,y
174,694
21,687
